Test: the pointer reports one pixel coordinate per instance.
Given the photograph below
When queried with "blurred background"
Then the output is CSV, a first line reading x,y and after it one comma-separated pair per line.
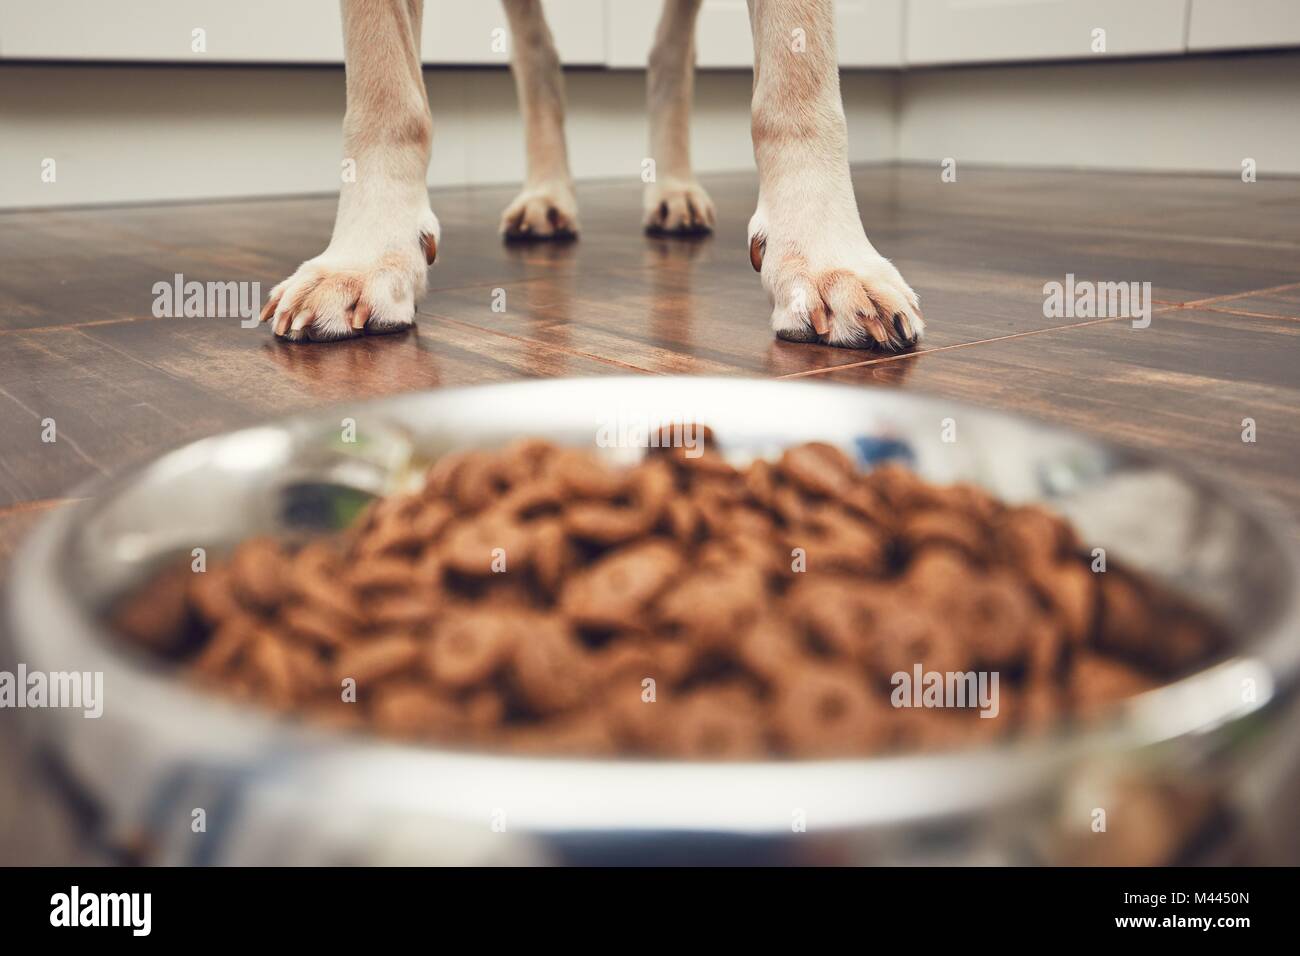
x,y
244,97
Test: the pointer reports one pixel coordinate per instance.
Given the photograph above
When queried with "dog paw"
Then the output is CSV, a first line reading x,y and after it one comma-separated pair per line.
x,y
677,207
547,211
828,284
368,280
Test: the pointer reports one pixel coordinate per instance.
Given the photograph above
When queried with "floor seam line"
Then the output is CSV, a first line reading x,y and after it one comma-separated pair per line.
x,y
1196,303
948,348
1255,315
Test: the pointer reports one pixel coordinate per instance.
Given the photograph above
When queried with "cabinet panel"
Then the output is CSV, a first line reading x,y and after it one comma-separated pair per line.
x,y
968,31
722,36
868,33
1242,24
283,31
233,31
465,31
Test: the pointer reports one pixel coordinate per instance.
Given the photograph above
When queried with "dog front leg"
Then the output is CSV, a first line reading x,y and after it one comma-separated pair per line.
x,y
674,201
385,235
826,281
546,207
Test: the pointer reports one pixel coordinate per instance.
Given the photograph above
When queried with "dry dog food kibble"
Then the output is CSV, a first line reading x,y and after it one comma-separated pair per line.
x,y
535,600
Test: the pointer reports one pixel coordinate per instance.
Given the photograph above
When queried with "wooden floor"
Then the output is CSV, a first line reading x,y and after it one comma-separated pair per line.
x,y
79,344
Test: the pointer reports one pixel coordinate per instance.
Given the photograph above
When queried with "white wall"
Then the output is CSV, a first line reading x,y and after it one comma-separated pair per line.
x,y
141,134
134,133
1194,114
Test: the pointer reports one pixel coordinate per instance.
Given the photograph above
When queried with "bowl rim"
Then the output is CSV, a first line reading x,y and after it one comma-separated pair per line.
x,y
1008,767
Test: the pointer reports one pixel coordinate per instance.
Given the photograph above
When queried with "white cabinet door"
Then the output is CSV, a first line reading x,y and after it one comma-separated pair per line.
x,y
722,38
188,31
1240,24
967,31
476,31
868,32
629,31
279,31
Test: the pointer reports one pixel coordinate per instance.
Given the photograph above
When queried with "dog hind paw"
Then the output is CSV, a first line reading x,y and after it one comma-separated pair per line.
x,y
548,211
678,208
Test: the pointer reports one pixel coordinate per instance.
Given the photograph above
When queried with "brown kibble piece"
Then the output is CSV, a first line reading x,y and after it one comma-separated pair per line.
x,y
582,735
821,711
1071,590
1126,622
314,625
470,645
1097,683
580,475
1032,535
840,542
411,710
382,573
715,606
373,661
551,553
155,615
936,572
683,520
606,524
933,526
413,610
717,724
837,613
817,468
770,650
211,595
395,531
257,570
906,635
475,546
550,669
226,644
902,489
615,589
273,668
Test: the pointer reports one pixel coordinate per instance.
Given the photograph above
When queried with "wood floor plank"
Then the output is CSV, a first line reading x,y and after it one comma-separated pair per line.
x,y
1184,386
121,393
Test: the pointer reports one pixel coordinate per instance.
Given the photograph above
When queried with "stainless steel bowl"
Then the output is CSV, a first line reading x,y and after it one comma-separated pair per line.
x,y
1186,771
